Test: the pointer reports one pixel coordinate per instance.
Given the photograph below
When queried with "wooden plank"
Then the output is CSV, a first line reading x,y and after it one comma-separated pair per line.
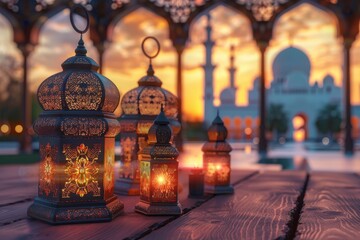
x,y
130,224
332,207
259,209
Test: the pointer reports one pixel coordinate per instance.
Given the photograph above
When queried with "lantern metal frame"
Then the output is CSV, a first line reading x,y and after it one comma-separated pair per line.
x,y
140,107
159,172
77,132
217,159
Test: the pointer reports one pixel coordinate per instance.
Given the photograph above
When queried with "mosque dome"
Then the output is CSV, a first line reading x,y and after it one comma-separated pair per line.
x,y
328,80
296,81
289,60
228,96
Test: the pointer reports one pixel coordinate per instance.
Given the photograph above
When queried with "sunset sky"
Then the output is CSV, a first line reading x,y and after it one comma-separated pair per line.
x,y
305,27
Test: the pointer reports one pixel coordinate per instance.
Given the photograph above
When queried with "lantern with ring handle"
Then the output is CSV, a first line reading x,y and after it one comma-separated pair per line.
x,y
140,106
77,132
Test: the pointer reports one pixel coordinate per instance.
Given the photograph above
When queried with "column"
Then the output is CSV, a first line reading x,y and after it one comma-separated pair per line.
x,y
349,142
26,141
262,147
179,139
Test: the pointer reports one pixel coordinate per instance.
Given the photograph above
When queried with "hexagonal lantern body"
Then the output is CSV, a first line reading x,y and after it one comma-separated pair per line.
x,y
159,172
77,140
216,159
140,107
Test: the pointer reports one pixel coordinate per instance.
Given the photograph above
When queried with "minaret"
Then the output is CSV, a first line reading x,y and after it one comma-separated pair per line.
x,y
232,69
209,67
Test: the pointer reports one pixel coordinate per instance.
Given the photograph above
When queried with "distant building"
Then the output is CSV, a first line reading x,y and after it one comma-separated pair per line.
x,y
290,87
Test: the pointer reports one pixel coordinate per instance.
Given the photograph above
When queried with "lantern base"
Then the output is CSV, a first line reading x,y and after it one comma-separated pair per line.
x,y
147,209
219,189
126,186
54,214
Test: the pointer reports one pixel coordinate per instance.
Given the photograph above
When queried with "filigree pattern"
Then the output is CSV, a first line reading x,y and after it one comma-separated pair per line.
x,y
12,5
83,127
118,3
128,146
171,107
47,185
81,170
179,9
145,180
129,103
151,99
112,96
83,91
109,167
49,93
164,183
262,10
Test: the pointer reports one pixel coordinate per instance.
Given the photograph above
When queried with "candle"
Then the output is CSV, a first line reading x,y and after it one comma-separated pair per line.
x,y
196,183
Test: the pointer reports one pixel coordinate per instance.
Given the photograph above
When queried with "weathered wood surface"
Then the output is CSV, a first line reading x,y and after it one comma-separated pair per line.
x,y
17,183
259,209
332,207
14,224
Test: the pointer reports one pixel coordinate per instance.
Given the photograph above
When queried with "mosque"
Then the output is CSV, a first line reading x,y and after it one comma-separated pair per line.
x,y
290,87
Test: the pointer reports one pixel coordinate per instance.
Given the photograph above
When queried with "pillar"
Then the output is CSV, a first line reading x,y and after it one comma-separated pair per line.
x,y
349,142
179,139
262,147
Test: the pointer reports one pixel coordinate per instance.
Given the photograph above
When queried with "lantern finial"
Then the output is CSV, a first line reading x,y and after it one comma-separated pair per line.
x,y
150,70
80,50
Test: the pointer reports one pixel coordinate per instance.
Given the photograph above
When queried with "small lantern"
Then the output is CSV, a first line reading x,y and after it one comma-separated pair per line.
x,y
159,172
216,159
77,140
140,106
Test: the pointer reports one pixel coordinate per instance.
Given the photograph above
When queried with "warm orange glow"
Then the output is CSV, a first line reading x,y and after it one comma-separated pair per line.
x,y
299,135
248,131
218,167
19,128
5,128
161,180
247,149
298,122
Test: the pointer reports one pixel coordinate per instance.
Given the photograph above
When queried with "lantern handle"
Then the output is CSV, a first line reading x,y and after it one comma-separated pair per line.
x,y
72,13
144,51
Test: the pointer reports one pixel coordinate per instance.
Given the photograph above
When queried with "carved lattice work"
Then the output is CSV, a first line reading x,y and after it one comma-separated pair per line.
x,y
47,184
81,171
179,10
49,93
83,91
262,10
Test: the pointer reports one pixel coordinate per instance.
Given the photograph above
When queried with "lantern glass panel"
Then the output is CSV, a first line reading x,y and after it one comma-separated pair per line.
x,y
217,170
145,181
164,179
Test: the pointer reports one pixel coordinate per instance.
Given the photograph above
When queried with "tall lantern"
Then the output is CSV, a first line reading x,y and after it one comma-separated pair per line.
x,y
159,172
216,159
140,106
77,140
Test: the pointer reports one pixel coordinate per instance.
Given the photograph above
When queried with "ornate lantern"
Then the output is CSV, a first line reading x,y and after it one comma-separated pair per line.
x,y
159,172
77,140
140,106
216,159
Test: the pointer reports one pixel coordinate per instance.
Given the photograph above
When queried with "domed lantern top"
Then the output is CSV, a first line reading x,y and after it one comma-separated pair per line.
x,y
79,86
148,97
217,134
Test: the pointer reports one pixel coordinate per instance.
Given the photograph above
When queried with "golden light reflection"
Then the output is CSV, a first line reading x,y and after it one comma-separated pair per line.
x,y
299,125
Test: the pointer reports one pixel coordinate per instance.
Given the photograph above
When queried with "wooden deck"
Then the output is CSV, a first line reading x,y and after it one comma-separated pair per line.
x,y
265,205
